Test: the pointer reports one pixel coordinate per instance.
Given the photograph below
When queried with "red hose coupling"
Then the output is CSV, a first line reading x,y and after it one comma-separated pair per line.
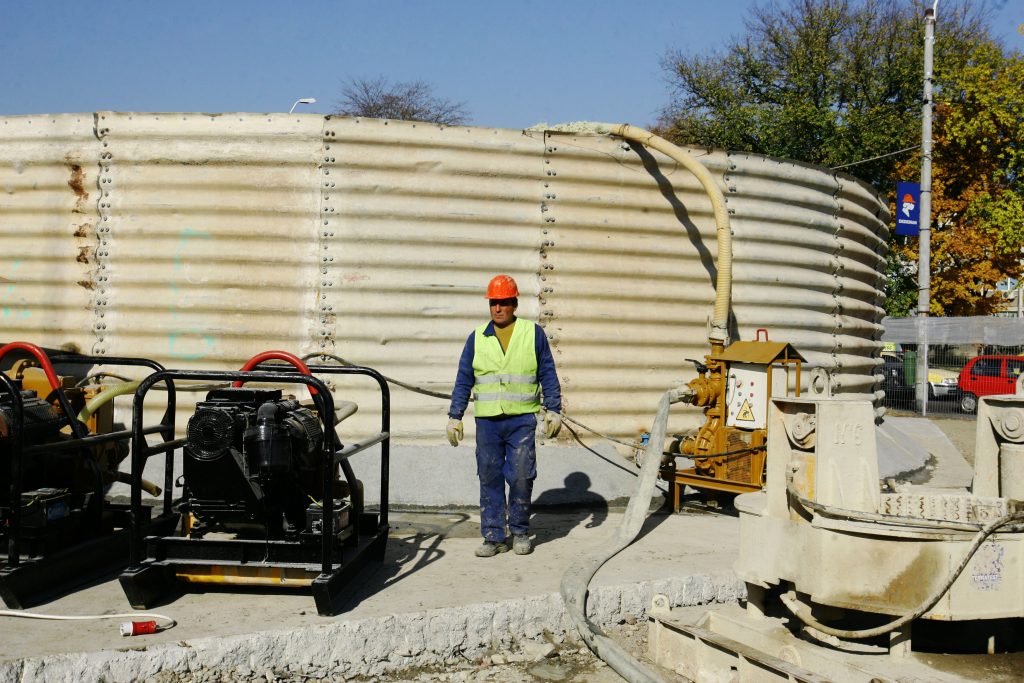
x,y
137,628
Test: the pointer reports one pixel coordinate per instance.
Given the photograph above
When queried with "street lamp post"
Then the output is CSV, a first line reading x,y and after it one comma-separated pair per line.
x,y
304,100
924,261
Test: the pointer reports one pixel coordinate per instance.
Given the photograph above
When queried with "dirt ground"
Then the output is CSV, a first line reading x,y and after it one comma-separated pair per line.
x,y
960,431
566,663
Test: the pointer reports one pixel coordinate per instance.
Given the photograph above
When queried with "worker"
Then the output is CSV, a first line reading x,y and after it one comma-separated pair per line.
x,y
508,367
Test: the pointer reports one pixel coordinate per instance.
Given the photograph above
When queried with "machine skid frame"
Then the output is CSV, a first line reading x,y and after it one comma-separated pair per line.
x,y
163,565
28,580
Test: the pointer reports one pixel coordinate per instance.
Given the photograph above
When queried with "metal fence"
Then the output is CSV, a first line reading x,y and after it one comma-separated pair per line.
x,y
968,358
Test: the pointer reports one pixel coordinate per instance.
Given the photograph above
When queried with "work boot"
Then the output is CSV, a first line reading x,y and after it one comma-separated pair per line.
x,y
521,544
491,548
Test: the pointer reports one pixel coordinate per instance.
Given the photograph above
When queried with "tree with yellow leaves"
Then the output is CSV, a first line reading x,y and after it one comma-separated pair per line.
x,y
977,197
833,82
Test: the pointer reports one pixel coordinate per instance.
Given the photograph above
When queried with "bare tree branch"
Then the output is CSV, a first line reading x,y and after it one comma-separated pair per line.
x,y
406,101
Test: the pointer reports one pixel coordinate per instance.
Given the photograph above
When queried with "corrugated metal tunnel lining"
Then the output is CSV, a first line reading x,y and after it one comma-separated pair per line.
x,y
199,240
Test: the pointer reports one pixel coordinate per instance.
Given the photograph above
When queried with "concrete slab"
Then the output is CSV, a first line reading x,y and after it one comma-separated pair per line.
x,y
898,454
946,466
431,600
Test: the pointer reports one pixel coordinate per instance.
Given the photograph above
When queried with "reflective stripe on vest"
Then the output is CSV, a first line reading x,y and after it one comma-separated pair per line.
x,y
506,383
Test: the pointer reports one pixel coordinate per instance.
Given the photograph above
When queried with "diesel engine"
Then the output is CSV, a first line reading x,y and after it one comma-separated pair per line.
x,y
253,465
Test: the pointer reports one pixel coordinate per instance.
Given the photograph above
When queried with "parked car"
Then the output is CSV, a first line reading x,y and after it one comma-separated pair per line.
x,y
988,376
942,384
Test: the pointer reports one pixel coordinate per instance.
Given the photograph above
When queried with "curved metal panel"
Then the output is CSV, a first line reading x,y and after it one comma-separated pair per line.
x,y
214,237
211,234
48,223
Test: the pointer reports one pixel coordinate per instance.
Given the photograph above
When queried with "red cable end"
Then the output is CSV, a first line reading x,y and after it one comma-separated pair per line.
x,y
137,628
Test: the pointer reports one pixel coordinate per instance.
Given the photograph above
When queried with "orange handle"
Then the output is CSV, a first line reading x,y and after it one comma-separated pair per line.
x,y
276,355
40,356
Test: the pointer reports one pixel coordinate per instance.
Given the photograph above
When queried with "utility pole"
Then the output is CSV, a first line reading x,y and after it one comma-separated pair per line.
x,y
924,261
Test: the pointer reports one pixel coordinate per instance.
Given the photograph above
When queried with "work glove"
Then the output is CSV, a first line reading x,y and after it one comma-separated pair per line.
x,y
552,424
454,431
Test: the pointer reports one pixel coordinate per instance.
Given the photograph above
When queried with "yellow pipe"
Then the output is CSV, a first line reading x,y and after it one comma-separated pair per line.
x,y
105,396
723,288
719,333
229,575
98,401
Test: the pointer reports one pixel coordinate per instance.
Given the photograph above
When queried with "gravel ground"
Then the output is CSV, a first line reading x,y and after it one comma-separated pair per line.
x,y
567,663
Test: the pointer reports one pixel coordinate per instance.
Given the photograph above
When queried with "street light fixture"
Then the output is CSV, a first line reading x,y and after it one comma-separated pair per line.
x,y
304,100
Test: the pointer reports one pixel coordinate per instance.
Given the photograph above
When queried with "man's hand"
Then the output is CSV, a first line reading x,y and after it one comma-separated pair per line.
x,y
552,424
454,431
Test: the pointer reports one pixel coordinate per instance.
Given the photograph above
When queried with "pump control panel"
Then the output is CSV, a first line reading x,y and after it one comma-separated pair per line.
x,y
747,394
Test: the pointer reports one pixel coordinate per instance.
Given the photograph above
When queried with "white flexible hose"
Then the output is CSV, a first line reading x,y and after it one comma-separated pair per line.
x,y
105,396
577,577
88,617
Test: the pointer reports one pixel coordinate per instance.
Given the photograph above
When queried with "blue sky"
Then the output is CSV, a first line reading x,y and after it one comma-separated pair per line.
x,y
514,62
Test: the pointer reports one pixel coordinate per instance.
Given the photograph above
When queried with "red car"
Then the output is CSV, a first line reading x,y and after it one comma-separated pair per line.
x,y
988,375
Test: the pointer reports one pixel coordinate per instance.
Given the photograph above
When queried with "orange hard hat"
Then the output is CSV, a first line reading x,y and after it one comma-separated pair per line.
x,y
502,287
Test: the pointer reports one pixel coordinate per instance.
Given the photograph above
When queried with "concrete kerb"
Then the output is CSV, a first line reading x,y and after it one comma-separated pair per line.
x,y
376,646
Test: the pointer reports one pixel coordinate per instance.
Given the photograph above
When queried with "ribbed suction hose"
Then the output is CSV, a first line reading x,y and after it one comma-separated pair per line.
x,y
723,286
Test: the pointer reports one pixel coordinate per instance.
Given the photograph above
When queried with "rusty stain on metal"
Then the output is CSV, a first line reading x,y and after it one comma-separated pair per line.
x,y
77,184
86,284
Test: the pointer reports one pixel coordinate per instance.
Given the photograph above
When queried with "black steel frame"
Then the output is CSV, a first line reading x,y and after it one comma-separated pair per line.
x,y
25,581
153,560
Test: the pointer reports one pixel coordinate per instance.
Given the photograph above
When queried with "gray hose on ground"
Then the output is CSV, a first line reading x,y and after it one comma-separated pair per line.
x,y
578,576
802,611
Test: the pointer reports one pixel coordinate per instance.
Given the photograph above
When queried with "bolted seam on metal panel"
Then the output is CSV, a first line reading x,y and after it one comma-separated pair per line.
x,y
547,241
730,184
326,227
100,299
837,273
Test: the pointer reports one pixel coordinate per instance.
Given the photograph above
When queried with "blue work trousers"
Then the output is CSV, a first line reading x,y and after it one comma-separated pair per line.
x,y
505,452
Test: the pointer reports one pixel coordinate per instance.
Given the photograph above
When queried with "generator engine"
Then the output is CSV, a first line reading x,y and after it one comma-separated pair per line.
x,y
62,490
42,420
253,465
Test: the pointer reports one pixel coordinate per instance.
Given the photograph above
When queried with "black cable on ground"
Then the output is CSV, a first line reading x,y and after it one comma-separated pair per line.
x,y
629,470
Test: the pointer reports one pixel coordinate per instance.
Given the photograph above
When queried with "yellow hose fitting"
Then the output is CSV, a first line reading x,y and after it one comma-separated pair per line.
x,y
705,389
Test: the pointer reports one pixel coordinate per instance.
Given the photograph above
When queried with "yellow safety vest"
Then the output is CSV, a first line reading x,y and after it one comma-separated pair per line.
x,y
506,383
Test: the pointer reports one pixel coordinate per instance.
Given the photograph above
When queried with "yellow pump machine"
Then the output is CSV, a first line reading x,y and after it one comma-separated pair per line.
x,y
735,387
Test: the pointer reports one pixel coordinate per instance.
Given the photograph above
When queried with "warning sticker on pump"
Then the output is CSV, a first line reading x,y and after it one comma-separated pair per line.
x,y
745,414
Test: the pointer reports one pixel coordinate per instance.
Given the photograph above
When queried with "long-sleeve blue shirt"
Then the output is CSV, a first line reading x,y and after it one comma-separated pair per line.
x,y
551,392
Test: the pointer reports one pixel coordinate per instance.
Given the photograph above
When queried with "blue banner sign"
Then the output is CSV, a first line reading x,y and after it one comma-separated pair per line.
x,y
908,200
